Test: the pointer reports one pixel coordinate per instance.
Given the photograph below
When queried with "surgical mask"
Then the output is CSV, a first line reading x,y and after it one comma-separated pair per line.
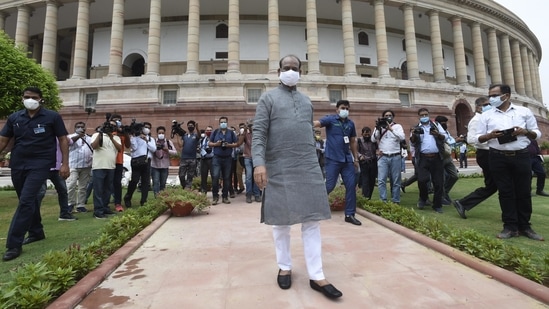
x,y
79,130
389,119
160,136
343,113
208,134
424,119
289,78
190,129
202,135
118,123
223,125
486,108
241,130
146,131
496,101
31,104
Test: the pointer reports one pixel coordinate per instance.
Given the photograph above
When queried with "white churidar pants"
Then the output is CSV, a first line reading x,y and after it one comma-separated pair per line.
x,y
312,248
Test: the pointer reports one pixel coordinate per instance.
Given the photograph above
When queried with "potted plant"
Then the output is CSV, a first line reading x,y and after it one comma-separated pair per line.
x,y
336,198
544,146
174,159
183,201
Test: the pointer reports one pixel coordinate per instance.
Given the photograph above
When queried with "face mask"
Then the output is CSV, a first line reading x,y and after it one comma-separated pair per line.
x,y
202,135
389,119
223,125
208,134
486,108
79,130
317,137
496,101
31,104
289,78
146,131
190,129
424,119
241,130
343,113
160,136
118,123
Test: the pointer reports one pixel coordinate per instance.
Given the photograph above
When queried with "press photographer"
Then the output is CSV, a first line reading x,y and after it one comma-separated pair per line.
x,y
142,148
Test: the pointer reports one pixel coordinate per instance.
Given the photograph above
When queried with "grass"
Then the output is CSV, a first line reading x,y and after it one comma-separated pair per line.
x,y
485,218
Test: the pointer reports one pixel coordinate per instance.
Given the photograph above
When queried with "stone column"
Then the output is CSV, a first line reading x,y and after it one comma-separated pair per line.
x,y
507,63
478,54
22,27
234,37
274,37
411,45
533,69
517,67
80,60
313,57
493,51
3,17
153,48
381,40
193,38
49,47
348,38
117,39
459,51
436,47
538,81
526,70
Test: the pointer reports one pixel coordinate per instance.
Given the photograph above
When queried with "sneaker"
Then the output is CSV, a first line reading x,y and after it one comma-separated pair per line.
x,y
67,217
258,199
507,233
118,208
81,209
531,234
215,200
226,200
71,209
248,199
100,216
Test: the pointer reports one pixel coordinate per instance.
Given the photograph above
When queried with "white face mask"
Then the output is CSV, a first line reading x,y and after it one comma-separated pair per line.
x,y
496,101
160,136
31,104
486,108
241,130
202,135
146,131
289,78
343,113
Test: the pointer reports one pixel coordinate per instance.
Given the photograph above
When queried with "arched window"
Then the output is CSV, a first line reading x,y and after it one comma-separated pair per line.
x,y
222,31
363,38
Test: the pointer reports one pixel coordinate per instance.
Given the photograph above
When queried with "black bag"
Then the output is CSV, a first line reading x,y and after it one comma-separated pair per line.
x,y
139,161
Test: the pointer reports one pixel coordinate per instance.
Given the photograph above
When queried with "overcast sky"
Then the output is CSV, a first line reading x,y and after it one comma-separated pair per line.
x,y
534,14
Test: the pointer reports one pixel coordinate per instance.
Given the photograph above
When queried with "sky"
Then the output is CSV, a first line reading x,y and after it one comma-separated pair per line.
x,y
534,14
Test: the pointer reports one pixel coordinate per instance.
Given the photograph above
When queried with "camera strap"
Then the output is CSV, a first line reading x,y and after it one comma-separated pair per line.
x,y
83,140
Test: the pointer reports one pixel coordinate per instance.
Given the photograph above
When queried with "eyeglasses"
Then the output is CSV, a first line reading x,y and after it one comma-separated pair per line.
x,y
495,95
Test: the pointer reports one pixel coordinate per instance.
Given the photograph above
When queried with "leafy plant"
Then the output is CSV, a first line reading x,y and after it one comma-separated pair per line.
x,y
171,195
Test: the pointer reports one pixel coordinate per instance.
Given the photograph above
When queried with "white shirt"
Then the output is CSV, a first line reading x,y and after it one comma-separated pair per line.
x,y
515,116
472,128
389,143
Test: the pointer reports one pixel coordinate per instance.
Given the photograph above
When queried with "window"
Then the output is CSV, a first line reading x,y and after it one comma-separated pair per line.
x,y
222,31
443,53
363,38
365,60
404,99
335,95
253,95
221,55
91,100
169,97
365,75
220,71
466,60
404,44
305,34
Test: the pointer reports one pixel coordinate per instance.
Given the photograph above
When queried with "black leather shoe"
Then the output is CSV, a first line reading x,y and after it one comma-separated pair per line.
x,y
127,201
328,290
403,188
506,234
284,281
32,239
531,234
542,193
11,254
352,220
460,209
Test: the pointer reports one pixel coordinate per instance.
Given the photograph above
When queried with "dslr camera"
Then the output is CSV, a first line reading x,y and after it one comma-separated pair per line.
x,y
107,127
176,129
418,130
134,128
223,144
382,123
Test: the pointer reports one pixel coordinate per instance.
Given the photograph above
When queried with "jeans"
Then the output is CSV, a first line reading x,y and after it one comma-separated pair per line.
x,y
159,177
347,171
389,167
102,184
221,166
27,216
117,184
61,188
251,187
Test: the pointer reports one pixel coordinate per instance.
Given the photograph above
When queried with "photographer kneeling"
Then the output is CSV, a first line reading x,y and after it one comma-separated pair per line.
x,y
142,146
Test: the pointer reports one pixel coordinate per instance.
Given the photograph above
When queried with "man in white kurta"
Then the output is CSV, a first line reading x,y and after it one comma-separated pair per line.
x,y
287,170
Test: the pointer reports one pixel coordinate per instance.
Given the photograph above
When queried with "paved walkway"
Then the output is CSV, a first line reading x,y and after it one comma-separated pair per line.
x,y
225,259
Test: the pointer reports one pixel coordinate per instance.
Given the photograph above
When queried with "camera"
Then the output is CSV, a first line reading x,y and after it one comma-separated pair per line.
x,y
134,128
107,127
418,130
208,150
433,130
223,144
159,146
382,123
176,129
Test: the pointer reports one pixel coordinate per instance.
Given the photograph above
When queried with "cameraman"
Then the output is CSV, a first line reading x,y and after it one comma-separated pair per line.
x,y
222,140
206,156
124,136
160,162
189,144
142,148
388,136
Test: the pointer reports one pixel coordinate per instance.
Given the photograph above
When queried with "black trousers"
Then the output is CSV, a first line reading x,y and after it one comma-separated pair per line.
x,y
513,177
480,194
537,168
368,175
430,168
205,168
142,172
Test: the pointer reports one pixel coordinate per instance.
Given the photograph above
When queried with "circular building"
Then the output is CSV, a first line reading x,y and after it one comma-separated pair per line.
x,y
160,60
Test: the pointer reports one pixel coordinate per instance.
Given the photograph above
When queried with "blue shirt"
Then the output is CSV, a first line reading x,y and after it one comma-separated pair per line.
x,y
35,143
229,136
337,131
190,145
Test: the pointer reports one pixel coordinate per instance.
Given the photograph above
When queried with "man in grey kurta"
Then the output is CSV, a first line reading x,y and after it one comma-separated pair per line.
x,y
286,168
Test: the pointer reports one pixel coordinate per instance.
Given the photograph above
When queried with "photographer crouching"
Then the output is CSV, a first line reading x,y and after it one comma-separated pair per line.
x,y
142,148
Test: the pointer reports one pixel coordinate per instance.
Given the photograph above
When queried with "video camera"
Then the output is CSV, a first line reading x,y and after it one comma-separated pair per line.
x,y
107,127
134,128
176,129
382,123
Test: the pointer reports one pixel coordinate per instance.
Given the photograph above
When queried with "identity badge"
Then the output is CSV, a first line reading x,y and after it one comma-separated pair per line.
x,y
39,130
346,139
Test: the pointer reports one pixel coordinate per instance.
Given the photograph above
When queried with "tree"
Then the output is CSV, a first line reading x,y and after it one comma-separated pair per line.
x,y
18,72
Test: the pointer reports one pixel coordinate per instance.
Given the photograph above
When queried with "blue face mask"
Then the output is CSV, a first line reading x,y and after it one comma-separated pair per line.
x,y
343,113
424,119
486,108
496,101
223,125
